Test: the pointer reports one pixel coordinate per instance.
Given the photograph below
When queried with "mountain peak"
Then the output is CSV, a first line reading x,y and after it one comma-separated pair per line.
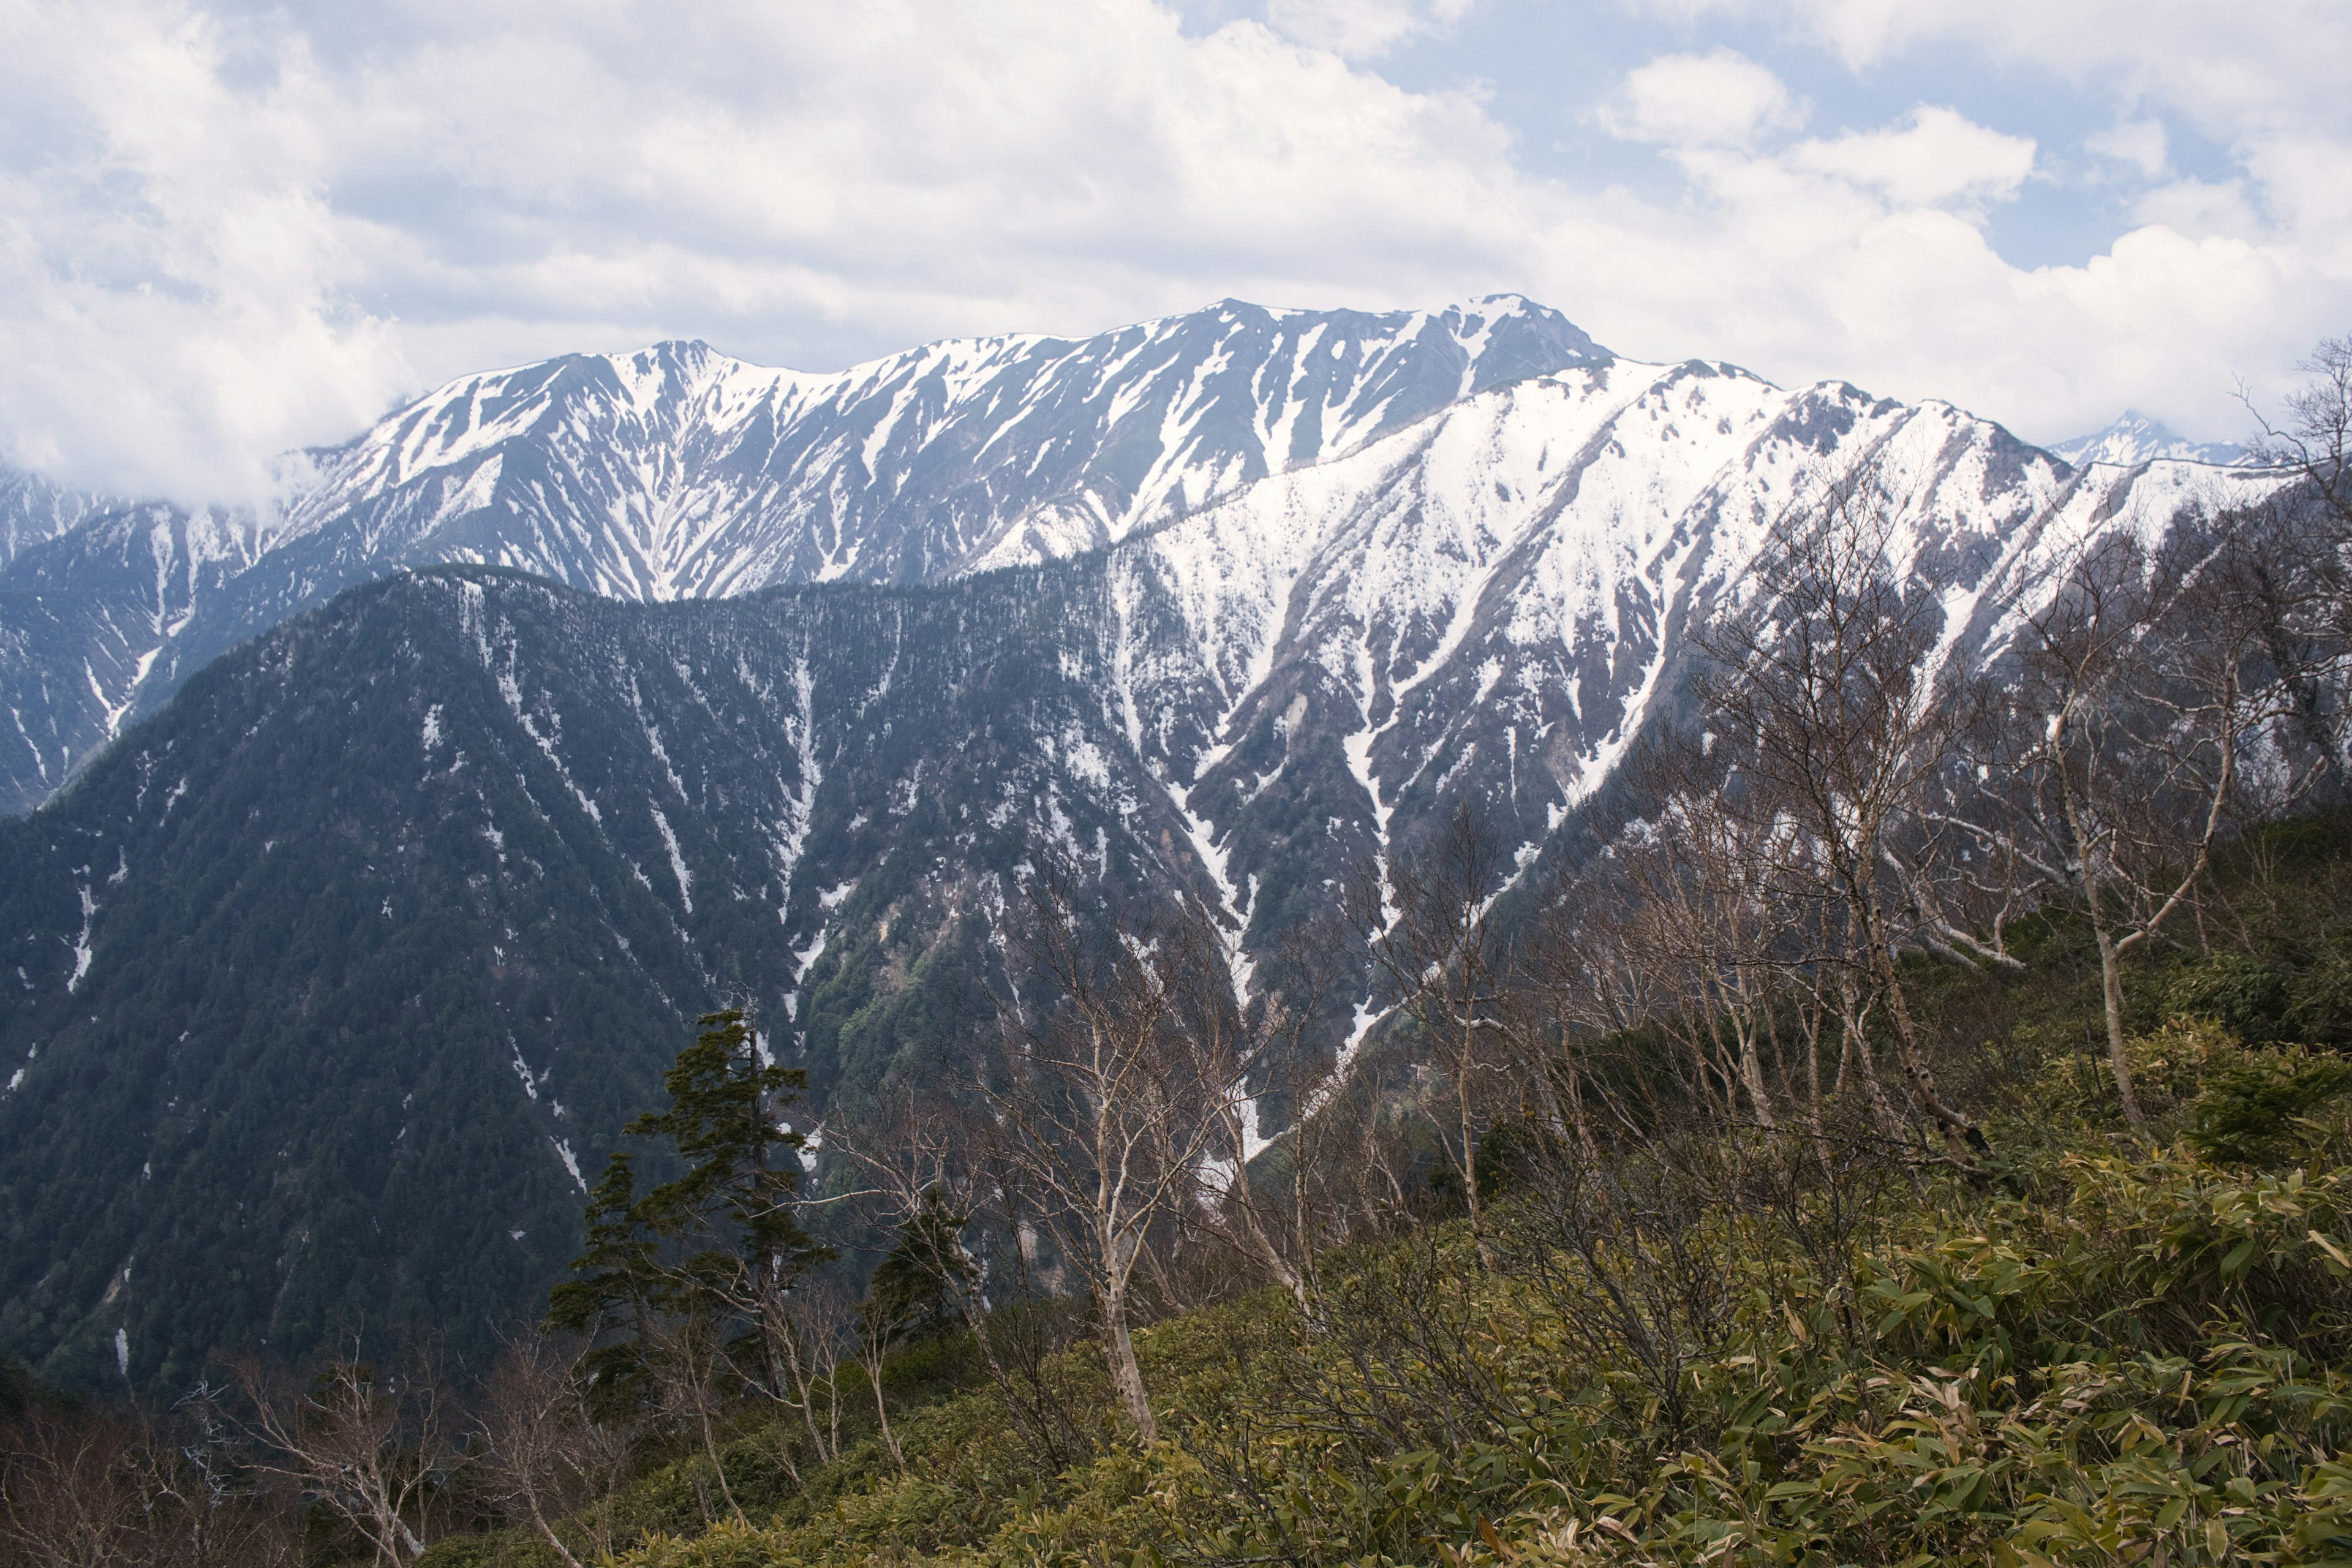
x,y
2137,438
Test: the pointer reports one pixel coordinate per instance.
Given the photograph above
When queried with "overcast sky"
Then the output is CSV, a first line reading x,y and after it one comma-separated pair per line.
x,y
230,229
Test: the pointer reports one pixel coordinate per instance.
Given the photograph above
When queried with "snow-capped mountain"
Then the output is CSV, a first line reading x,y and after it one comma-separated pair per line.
x,y
413,895
33,512
2135,438
680,473
677,472
1491,603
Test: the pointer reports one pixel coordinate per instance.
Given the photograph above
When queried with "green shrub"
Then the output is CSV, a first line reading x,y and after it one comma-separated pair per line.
x,y
2257,1110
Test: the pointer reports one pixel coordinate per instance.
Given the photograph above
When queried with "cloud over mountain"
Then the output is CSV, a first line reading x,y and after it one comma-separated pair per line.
x,y
234,230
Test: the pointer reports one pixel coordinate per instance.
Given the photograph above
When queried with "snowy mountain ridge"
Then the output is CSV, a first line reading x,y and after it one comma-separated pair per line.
x,y
678,473
1492,602
2137,438
33,512
722,476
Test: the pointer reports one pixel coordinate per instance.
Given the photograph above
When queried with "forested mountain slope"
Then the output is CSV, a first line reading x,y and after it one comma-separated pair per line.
x,y
331,979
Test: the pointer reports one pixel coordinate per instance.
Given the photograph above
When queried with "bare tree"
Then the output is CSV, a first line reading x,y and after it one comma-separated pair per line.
x,y
2114,771
69,1494
1098,1109
2315,436
90,1488
542,1454
940,1167
1229,1043
1827,688
806,1331
1585,977
1706,917
369,1446
2293,559
1430,932
882,1323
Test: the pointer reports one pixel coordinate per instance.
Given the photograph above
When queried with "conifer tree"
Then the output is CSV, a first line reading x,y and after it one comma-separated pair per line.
x,y
914,1287
619,1280
707,1259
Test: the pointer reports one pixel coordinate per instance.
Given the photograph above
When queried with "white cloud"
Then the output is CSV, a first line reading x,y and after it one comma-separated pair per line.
x,y
222,234
1361,29
2201,209
1938,157
2226,276
225,238
171,296
2142,143
1717,99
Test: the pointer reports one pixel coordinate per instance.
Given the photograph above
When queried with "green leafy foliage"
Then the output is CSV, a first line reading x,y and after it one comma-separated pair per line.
x,y
2252,1112
2144,1356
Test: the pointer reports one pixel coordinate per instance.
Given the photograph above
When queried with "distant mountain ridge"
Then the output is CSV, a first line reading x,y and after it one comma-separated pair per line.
x,y
677,472
33,512
2135,438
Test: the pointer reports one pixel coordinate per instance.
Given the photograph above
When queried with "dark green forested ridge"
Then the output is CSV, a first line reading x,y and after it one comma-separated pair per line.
x,y
348,983
325,981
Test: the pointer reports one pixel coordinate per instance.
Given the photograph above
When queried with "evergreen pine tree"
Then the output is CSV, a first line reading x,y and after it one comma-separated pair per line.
x,y
709,1256
619,1281
914,1287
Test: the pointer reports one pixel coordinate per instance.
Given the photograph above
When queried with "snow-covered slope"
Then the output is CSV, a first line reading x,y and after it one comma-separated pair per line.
x,y
1422,502
33,510
677,472
2137,439
1490,603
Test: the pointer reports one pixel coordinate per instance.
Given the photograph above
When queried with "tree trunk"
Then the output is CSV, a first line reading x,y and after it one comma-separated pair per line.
x,y
2111,990
1470,1169
2083,853
1960,1133
1125,1374
1751,1071
882,1410
1854,1031
547,1532
1268,1255
1811,1023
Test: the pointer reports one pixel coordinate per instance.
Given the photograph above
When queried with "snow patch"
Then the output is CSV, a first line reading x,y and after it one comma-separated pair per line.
x,y
83,952
676,861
